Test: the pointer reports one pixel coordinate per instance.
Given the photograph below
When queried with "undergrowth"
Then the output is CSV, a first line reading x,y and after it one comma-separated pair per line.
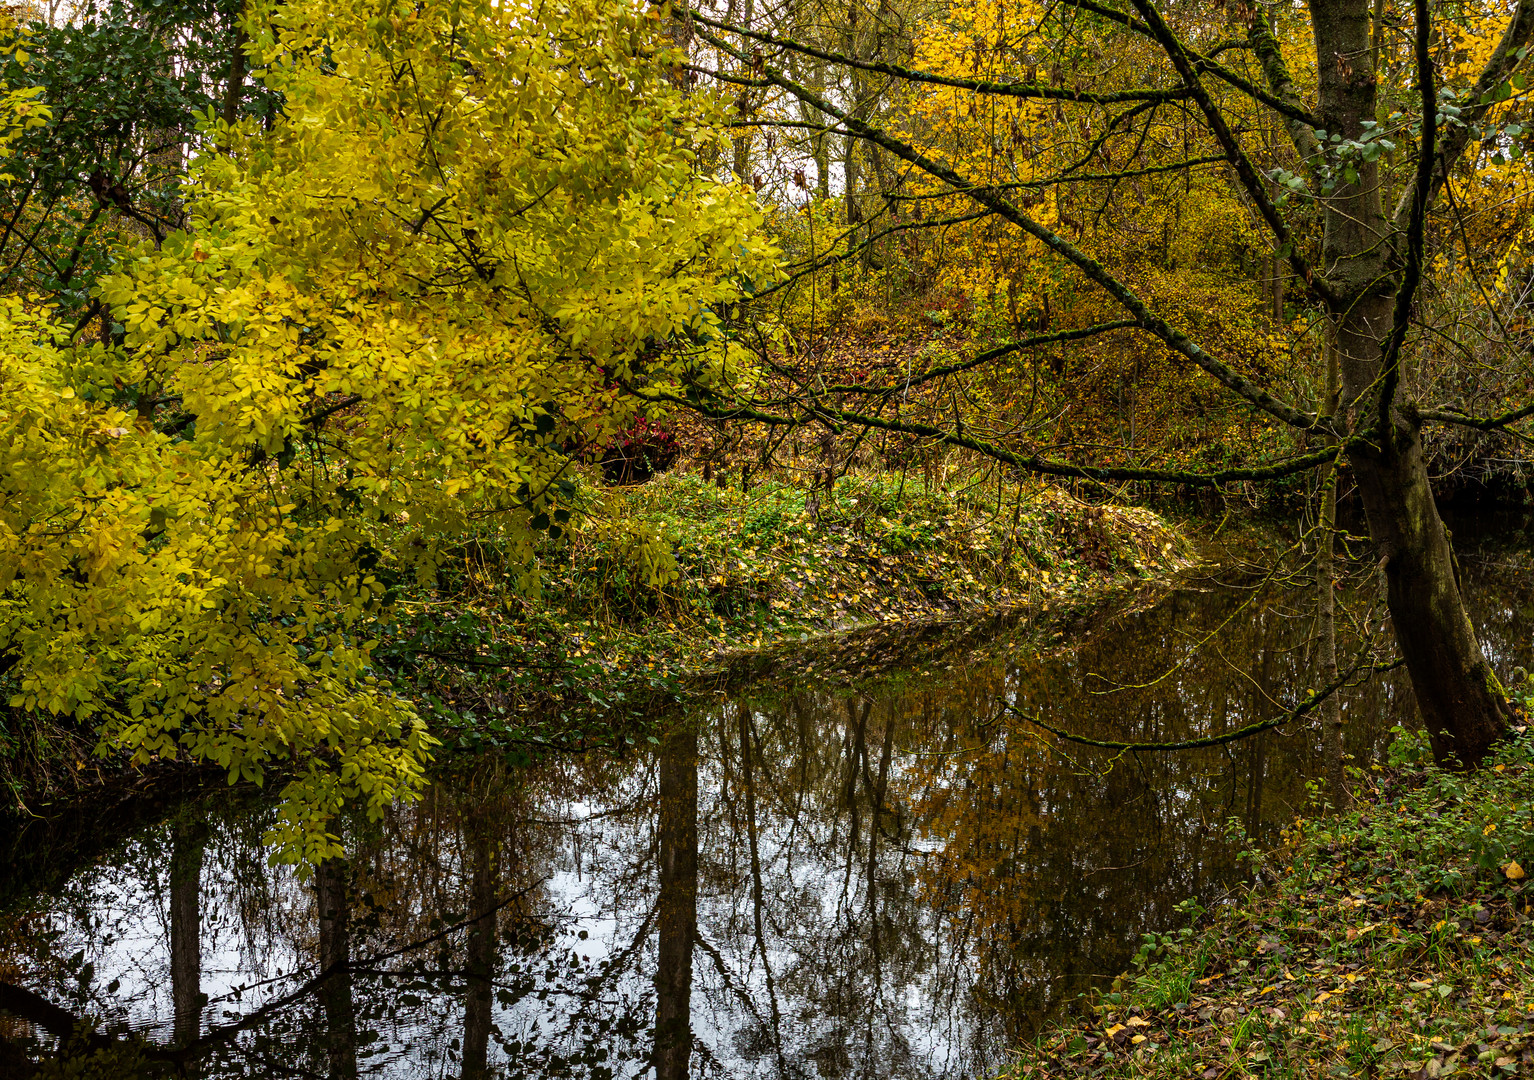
x,y
671,579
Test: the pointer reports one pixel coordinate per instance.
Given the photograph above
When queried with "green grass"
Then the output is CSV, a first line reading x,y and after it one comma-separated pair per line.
x,y
737,552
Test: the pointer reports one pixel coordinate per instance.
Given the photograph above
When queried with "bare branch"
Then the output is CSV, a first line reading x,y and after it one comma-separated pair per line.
x,y
1204,64
986,357
989,197
1035,464
1416,224
853,252
1255,187
1308,705
979,86
1265,47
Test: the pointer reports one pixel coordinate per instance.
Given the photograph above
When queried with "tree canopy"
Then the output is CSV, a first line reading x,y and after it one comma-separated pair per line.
x,y
473,242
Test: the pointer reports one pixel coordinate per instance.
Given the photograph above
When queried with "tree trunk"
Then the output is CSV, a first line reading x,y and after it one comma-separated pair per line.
x,y
1463,707
1277,290
820,150
1461,702
740,142
234,89
1326,601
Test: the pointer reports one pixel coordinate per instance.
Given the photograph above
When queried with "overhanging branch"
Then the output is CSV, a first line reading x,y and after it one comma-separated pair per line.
x,y
1306,706
1039,466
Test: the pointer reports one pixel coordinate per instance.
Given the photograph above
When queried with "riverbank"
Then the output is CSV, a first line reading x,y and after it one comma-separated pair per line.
x,y
1395,940
705,587
680,587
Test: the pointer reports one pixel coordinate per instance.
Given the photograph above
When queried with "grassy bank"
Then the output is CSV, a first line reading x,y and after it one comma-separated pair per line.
x,y
697,579
1395,940
670,587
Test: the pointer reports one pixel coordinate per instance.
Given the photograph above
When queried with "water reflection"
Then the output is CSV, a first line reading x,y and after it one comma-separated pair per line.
x,y
676,903
187,840
332,902
824,884
482,948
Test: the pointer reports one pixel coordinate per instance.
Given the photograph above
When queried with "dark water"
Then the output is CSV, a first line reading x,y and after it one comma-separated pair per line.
x,y
820,884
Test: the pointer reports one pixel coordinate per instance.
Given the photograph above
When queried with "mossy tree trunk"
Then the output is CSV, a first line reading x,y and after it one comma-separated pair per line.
x,y
1363,252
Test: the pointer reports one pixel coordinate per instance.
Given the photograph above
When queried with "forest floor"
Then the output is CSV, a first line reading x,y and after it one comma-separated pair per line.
x,y
1393,940
759,584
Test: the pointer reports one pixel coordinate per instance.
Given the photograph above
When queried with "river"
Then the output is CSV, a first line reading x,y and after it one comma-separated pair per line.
x,y
898,880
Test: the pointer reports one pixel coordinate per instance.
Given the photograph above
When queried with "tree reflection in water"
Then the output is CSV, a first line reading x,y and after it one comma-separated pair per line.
x,y
187,840
824,884
333,908
677,904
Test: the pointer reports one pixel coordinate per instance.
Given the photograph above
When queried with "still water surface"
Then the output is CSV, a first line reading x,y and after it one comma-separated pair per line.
x,y
826,883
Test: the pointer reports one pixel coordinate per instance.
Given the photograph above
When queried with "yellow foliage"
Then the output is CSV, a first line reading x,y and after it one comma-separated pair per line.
x,y
475,242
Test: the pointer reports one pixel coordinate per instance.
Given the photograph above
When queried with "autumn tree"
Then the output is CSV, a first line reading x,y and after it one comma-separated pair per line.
x,y
1083,99
474,242
124,83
